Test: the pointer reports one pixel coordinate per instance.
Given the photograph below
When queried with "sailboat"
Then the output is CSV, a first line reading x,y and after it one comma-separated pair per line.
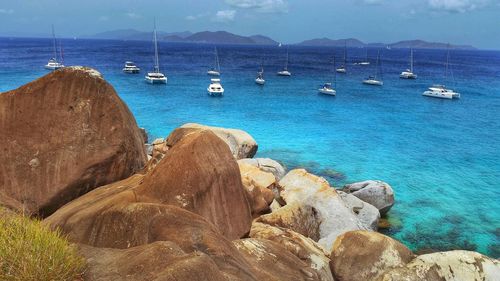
x,y
327,87
260,76
215,71
156,77
440,91
53,63
408,74
366,62
342,68
285,71
373,80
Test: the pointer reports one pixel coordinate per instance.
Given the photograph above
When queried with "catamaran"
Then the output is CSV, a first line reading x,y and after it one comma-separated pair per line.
x,y
327,87
342,68
408,74
131,68
215,88
215,71
372,79
285,71
53,64
440,91
156,77
260,76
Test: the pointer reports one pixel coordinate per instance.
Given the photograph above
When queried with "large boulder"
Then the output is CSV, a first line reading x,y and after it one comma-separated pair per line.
x,y
331,212
63,135
304,248
274,263
366,213
199,174
447,266
241,144
366,255
259,186
158,261
376,193
266,165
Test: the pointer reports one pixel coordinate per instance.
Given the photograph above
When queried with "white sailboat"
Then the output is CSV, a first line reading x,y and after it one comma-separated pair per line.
x,y
327,88
408,74
131,68
342,68
156,77
260,76
365,62
440,91
53,64
215,71
215,88
373,79
285,71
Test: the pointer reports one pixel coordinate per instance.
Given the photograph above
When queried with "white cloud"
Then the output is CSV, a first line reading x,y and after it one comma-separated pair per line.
x,y
225,15
133,15
457,6
195,17
6,11
263,6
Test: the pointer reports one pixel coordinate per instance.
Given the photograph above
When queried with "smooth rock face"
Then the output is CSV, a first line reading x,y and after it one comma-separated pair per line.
x,y
242,145
63,135
304,248
258,185
199,174
266,165
366,255
376,193
272,262
366,213
333,214
449,266
158,261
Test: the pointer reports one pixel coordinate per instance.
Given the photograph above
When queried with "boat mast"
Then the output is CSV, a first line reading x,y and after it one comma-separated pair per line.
x,y
411,60
286,62
378,73
54,39
217,64
447,62
345,53
157,64
334,74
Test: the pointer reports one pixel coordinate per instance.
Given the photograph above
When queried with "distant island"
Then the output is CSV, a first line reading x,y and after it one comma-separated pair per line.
x,y
224,37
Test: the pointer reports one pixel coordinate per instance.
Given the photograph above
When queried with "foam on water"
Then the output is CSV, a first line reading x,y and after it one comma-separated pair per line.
x,y
440,156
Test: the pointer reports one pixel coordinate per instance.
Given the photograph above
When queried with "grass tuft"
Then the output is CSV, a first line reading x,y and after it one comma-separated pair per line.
x,y
31,251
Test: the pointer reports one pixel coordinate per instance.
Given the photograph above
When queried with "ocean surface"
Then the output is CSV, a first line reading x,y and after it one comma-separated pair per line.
x,y
442,157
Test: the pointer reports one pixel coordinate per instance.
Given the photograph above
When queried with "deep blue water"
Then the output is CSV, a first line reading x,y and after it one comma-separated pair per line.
x,y
442,157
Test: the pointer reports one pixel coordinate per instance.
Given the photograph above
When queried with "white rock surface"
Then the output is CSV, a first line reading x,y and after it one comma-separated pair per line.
x,y
374,192
266,165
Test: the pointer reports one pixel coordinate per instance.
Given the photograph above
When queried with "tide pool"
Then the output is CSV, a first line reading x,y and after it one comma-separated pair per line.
x,y
440,156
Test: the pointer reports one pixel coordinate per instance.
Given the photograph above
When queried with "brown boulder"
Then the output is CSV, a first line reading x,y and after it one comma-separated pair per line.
x,y
366,255
158,261
258,186
63,135
198,174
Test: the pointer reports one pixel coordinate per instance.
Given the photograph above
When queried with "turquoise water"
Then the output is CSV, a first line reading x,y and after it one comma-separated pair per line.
x,y
440,156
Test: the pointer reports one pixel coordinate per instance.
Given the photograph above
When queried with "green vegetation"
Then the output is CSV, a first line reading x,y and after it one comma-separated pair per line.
x,y
30,251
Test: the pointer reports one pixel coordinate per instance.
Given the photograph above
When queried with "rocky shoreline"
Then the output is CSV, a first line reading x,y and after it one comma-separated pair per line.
x,y
195,205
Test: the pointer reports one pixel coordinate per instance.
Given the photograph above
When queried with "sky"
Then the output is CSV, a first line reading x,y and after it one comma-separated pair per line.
x,y
474,22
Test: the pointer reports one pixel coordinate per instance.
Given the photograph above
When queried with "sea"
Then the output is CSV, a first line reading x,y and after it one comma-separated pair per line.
x,y
442,157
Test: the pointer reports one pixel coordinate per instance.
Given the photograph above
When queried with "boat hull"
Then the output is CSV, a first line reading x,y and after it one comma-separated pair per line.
x,y
213,73
408,76
284,73
131,71
156,80
341,70
441,95
373,82
213,93
330,92
260,81
53,67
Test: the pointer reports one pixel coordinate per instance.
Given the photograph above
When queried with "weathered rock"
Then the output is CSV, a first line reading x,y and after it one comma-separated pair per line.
x,y
332,213
63,135
447,266
198,174
366,255
266,165
272,262
258,185
242,145
304,248
366,213
376,193
157,261
144,134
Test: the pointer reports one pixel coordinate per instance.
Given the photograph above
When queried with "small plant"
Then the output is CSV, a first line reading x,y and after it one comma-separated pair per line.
x,y
31,251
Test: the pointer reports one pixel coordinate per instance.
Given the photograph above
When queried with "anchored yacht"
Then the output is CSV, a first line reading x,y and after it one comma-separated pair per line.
x,y
372,79
53,64
131,68
327,88
215,71
285,71
260,77
215,88
156,77
440,91
342,68
408,74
